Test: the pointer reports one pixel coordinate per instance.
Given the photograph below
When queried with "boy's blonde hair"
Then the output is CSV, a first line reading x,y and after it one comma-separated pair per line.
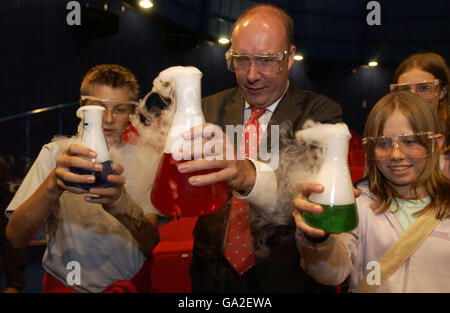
x,y
113,75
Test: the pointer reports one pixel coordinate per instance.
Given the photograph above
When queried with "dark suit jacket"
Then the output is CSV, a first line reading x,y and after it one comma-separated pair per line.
x,y
280,270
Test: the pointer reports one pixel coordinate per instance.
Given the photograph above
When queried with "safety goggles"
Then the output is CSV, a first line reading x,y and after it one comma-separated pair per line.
x,y
423,88
413,146
268,63
115,106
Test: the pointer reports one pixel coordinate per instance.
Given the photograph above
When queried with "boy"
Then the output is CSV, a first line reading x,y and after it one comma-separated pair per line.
x,y
98,239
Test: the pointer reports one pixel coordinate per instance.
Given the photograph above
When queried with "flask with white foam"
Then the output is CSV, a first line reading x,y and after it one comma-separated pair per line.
x,y
94,138
171,192
338,201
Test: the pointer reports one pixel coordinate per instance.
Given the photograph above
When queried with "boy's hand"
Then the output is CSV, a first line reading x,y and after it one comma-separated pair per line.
x,y
75,156
110,195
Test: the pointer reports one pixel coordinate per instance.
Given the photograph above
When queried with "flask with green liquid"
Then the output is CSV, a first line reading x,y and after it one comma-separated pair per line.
x,y
338,201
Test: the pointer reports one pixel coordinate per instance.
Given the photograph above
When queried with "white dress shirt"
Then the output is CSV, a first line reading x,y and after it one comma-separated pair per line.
x,y
264,192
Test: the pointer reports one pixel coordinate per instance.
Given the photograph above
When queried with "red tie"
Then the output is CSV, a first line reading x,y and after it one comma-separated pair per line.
x,y
239,245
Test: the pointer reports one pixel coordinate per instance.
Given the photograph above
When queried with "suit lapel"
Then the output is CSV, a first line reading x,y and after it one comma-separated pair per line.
x,y
288,110
234,111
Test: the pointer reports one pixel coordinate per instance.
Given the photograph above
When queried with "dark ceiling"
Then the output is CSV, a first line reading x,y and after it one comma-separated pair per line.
x,y
330,29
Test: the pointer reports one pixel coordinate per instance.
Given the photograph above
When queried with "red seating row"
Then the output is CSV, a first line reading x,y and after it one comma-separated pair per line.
x,y
356,158
356,173
172,256
355,142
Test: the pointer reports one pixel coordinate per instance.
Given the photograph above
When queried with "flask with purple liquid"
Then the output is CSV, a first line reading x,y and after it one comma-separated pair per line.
x,y
93,138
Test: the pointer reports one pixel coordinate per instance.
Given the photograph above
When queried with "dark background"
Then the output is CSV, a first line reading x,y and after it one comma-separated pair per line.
x,y
43,59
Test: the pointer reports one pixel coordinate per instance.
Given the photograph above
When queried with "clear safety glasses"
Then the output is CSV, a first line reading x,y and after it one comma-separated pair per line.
x,y
269,63
115,106
413,146
426,88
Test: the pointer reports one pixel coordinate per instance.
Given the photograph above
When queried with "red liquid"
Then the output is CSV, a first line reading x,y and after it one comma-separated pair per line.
x,y
173,195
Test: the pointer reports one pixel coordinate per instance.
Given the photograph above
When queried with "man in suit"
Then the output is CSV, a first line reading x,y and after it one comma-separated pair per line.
x,y
261,54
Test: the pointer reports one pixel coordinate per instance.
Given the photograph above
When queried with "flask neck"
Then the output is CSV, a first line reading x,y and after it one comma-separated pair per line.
x,y
336,148
334,173
92,119
188,101
189,112
93,136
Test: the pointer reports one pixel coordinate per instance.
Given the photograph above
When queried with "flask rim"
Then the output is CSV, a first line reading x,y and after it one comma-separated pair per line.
x,y
80,111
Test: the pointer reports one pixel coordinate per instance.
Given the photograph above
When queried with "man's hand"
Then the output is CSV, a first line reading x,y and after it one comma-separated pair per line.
x,y
215,151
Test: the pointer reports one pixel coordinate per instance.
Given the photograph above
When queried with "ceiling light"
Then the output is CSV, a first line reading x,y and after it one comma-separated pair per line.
x,y
146,4
373,63
298,57
224,40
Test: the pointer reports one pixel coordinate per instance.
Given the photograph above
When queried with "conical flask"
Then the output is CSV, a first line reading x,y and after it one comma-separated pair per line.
x,y
94,138
338,201
171,192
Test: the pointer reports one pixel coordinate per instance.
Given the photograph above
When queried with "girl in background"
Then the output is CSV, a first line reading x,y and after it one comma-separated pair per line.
x,y
427,75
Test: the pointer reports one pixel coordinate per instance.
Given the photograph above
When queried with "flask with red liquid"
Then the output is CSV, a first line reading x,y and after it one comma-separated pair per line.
x,y
171,192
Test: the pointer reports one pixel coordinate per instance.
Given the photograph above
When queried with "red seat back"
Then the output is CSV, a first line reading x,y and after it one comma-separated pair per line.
x,y
172,256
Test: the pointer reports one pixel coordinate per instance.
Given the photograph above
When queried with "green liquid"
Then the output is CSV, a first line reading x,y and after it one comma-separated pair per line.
x,y
334,219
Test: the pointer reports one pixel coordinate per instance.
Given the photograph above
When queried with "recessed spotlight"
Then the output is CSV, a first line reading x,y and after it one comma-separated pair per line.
x,y
298,57
224,40
146,4
373,63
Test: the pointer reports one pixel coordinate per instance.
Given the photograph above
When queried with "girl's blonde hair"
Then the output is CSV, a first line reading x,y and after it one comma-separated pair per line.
x,y
422,118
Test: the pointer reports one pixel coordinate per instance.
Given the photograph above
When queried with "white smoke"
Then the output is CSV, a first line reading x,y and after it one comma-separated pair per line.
x,y
301,158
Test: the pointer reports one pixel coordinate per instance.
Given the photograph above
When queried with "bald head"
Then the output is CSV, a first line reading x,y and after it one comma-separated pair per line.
x,y
264,12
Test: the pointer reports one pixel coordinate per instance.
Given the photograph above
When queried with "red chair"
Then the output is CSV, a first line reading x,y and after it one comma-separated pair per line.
x,y
356,158
355,142
356,173
172,256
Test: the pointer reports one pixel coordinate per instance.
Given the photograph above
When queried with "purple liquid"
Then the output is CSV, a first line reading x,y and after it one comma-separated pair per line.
x,y
100,177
